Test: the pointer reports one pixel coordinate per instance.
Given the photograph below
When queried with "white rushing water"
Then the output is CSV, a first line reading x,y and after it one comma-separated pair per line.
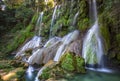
x,y
33,43
92,45
66,40
30,72
75,18
39,23
52,22
36,57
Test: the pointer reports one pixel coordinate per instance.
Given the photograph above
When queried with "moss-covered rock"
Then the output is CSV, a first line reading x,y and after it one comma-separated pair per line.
x,y
67,66
67,62
46,73
106,37
80,64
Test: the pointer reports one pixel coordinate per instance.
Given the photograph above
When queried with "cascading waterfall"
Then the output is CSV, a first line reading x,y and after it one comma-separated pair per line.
x,y
39,24
35,41
92,46
52,22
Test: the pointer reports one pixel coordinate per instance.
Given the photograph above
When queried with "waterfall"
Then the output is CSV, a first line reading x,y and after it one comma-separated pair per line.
x,y
92,45
30,72
39,23
53,20
75,18
66,40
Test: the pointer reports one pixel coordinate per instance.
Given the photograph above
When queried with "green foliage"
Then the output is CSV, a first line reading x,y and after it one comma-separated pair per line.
x,y
106,37
80,63
83,24
7,20
71,63
23,15
5,66
20,74
45,74
21,37
68,62
13,3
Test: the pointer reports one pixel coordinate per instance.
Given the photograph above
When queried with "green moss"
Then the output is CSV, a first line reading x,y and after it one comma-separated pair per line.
x,y
67,66
20,74
68,62
5,66
45,74
83,24
106,37
80,63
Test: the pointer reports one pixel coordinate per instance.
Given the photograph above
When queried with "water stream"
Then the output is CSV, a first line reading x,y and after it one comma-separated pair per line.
x,y
39,24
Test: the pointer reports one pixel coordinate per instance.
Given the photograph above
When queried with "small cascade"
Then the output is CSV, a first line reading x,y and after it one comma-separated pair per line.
x,y
92,46
66,40
30,72
39,24
3,7
75,18
36,57
39,73
52,41
33,43
53,20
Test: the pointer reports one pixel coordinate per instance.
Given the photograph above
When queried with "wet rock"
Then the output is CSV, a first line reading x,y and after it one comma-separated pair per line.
x,y
76,47
49,53
67,62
